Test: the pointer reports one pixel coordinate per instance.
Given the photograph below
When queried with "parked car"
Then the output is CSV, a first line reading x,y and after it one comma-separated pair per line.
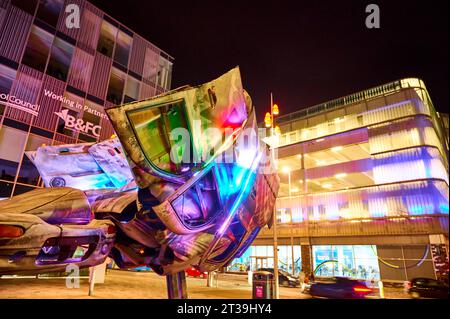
x,y
428,288
194,272
284,278
340,288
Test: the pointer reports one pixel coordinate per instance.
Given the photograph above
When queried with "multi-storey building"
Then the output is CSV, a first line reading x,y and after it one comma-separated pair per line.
x,y
364,188
61,63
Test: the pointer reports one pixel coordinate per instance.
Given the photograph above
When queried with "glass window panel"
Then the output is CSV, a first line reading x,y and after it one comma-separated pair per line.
x,y
49,11
132,88
5,188
7,76
191,210
12,143
153,125
122,48
86,138
345,261
28,173
322,254
116,86
20,189
150,71
107,39
297,259
164,73
61,126
38,48
93,117
60,57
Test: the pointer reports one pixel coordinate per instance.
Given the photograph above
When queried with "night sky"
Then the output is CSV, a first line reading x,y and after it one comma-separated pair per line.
x,y
305,52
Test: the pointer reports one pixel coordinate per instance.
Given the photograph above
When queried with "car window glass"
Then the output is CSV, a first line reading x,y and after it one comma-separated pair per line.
x,y
153,125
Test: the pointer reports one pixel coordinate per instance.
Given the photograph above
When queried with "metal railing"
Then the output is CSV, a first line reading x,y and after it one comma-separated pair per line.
x,y
352,98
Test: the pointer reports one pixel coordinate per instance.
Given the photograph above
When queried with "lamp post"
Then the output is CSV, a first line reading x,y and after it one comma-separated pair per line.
x,y
270,123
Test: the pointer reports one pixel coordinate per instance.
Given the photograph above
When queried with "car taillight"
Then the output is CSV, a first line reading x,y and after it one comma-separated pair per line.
x,y
362,289
8,231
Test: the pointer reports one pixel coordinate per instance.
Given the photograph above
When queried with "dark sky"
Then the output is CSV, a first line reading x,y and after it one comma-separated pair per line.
x,y
305,52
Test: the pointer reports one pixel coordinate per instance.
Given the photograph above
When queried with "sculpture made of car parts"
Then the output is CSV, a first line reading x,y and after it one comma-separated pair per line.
x,y
189,184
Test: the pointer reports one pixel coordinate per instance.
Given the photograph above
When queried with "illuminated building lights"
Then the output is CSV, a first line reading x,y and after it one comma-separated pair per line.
x,y
286,170
337,148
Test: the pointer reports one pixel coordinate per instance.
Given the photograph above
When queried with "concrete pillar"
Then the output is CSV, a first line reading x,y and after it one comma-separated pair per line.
x,y
306,259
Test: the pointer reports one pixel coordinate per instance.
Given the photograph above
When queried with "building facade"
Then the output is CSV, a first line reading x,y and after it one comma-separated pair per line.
x,y
61,63
364,188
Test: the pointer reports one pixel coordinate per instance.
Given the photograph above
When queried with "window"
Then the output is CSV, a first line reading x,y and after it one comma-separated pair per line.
x,y
152,127
322,212
150,70
60,57
92,117
28,173
344,209
7,76
358,261
310,212
20,189
132,88
49,10
5,189
107,39
12,142
61,126
28,5
164,73
122,48
360,120
116,86
37,49
87,138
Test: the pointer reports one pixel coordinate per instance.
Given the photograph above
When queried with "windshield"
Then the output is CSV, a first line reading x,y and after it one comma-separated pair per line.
x,y
153,126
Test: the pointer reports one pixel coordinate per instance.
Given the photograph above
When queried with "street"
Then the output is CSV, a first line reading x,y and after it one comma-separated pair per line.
x,y
141,285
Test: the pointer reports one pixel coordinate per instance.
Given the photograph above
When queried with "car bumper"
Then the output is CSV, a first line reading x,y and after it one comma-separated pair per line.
x,y
21,255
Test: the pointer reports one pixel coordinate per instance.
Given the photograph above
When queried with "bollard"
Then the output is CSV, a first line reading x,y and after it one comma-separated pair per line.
x,y
176,286
211,278
250,277
381,289
91,280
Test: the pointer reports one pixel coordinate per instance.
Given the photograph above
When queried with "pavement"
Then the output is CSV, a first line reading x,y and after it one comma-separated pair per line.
x,y
121,284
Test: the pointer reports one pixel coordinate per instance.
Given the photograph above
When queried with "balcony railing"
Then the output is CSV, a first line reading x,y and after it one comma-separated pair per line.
x,y
353,98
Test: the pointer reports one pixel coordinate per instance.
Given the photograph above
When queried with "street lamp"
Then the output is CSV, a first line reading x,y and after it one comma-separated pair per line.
x,y
269,121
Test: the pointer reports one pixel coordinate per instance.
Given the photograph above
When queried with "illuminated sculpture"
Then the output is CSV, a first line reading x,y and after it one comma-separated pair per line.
x,y
189,184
